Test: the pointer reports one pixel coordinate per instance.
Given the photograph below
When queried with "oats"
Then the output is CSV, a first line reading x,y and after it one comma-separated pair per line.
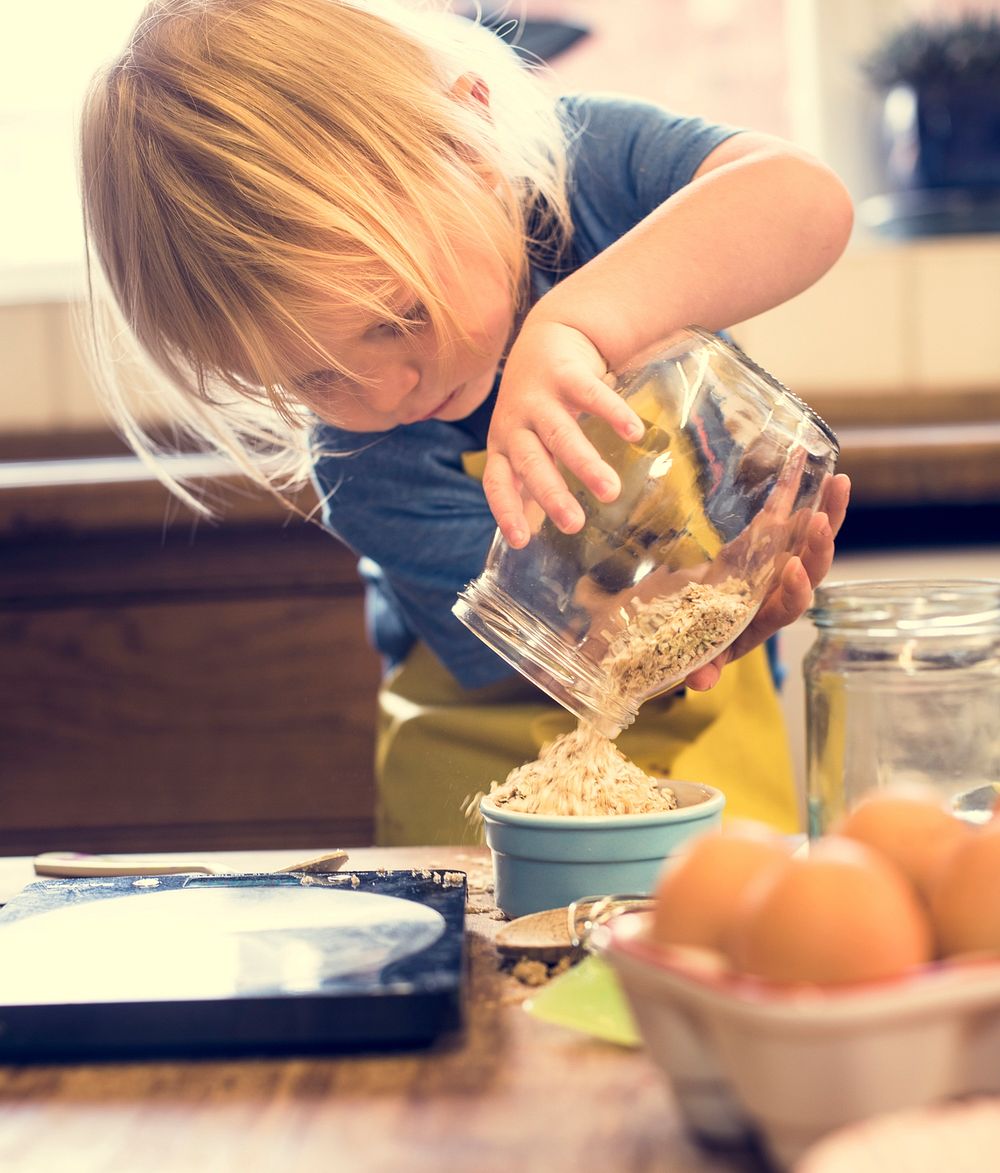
x,y
581,773
667,637
584,773
531,973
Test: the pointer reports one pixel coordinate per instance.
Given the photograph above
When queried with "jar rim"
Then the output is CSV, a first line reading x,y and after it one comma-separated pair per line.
x,y
939,606
728,345
810,412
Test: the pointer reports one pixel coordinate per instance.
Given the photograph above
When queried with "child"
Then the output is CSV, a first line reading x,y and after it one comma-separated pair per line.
x,y
355,241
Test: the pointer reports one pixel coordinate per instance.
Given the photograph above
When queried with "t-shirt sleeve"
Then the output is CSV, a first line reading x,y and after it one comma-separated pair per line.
x,y
626,157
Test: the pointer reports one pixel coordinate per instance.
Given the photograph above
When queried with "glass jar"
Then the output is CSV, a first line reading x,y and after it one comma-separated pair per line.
x,y
903,686
716,496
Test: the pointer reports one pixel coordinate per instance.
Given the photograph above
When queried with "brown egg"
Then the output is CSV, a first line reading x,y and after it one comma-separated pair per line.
x,y
697,893
843,913
965,900
910,827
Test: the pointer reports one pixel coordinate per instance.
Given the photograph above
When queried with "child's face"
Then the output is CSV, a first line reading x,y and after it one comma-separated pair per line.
x,y
408,377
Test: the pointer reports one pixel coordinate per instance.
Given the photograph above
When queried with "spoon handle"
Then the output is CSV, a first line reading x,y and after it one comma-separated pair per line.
x,y
76,865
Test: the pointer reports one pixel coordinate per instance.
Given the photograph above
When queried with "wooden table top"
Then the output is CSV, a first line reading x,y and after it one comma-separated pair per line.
x,y
507,1093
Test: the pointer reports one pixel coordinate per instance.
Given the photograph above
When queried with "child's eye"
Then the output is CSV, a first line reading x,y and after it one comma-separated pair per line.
x,y
412,320
322,380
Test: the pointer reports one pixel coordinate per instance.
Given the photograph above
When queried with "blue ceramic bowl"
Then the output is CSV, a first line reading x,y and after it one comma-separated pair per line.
x,y
548,861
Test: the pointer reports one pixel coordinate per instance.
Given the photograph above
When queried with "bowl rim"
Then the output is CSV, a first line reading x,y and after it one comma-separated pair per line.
x,y
711,801
973,981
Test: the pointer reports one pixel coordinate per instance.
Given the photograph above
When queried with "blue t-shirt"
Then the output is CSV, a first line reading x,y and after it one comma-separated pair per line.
x,y
401,499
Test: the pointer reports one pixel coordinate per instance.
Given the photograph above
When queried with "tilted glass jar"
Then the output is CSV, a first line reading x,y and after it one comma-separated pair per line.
x,y
903,686
716,496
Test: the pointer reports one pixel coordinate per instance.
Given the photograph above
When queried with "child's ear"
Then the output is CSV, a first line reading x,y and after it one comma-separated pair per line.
x,y
473,92
471,88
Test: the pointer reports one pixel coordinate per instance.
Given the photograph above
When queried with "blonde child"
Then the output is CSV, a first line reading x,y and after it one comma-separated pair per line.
x,y
356,242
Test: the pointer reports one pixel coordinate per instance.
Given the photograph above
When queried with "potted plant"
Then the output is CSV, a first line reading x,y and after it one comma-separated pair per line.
x,y
940,82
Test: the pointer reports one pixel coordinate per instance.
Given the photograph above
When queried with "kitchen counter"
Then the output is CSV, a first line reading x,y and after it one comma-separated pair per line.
x,y
508,1093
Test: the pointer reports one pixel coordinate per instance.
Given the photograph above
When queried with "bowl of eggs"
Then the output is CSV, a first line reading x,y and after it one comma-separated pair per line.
x,y
787,994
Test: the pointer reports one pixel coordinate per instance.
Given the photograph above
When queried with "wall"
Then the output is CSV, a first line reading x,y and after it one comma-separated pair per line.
x,y
919,316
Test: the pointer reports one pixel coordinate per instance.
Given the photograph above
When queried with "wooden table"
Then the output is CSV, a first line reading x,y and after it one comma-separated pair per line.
x,y
509,1093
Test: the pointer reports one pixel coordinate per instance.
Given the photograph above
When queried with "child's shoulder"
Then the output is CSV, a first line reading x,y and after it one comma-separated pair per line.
x,y
625,156
621,118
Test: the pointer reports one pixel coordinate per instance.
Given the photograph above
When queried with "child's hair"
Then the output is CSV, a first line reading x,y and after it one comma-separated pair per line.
x,y
246,162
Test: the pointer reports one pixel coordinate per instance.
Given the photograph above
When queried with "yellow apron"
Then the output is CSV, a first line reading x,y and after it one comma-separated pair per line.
x,y
438,745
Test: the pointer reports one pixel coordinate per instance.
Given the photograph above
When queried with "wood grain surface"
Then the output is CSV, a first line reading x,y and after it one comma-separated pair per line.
x,y
182,687
906,446
508,1093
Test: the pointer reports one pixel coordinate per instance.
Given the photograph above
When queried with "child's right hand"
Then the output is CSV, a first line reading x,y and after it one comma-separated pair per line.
x,y
553,374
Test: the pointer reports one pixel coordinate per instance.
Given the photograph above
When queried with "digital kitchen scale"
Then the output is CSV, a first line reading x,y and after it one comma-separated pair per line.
x,y
197,965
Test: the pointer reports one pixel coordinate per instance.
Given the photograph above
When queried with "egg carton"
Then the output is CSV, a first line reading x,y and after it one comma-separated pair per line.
x,y
789,1064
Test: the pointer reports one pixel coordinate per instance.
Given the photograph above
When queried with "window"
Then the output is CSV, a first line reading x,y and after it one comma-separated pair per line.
x,y
53,49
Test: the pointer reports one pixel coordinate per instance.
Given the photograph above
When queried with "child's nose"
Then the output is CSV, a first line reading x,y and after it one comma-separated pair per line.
x,y
394,384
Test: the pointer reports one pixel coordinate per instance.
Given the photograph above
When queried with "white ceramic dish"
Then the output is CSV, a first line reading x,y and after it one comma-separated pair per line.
x,y
793,1063
548,861
960,1136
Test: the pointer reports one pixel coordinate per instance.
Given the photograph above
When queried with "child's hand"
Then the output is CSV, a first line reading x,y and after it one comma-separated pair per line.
x,y
793,594
552,375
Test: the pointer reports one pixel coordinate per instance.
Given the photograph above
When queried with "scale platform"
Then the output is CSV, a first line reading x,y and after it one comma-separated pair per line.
x,y
131,966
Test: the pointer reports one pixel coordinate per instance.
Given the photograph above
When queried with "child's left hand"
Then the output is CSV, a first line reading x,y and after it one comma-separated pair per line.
x,y
793,594
553,374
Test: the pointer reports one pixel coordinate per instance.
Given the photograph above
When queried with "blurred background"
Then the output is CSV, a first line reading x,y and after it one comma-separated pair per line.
x,y
133,637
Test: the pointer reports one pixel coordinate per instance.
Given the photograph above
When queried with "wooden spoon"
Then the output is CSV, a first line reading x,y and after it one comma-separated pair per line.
x,y
541,936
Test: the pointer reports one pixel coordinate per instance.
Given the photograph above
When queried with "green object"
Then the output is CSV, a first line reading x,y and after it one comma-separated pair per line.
x,y
587,998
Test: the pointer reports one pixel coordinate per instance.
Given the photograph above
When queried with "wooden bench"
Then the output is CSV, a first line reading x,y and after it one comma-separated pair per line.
x,y
171,684
911,448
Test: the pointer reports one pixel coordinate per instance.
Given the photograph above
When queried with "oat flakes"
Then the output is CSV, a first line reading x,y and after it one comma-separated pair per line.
x,y
666,637
581,773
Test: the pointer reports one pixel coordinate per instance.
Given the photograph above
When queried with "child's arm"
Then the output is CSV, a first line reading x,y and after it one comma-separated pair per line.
x,y
760,222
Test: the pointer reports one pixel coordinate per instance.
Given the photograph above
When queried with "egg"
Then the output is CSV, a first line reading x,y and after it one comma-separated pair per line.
x,y
843,913
910,827
697,892
965,899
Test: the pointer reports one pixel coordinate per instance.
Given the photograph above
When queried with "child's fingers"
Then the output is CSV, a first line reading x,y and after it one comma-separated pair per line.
x,y
597,398
786,603
836,497
817,554
534,468
561,436
790,600
504,500
705,677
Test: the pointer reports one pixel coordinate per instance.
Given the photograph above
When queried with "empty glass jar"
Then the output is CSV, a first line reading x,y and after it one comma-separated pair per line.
x,y
716,496
903,686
